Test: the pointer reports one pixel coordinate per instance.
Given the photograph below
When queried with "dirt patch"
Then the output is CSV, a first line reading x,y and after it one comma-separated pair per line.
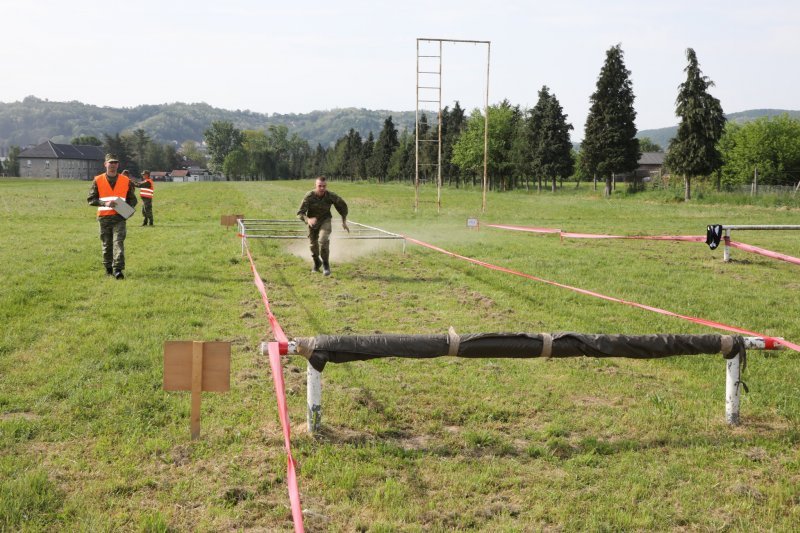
x,y
22,415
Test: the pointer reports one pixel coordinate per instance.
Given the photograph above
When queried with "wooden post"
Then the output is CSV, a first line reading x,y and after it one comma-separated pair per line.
x,y
197,386
197,366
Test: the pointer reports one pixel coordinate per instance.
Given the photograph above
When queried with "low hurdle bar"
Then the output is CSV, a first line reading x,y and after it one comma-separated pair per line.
x,y
727,237
732,375
295,229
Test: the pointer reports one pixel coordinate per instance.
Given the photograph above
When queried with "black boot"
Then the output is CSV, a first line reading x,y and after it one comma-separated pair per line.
x,y
317,263
326,268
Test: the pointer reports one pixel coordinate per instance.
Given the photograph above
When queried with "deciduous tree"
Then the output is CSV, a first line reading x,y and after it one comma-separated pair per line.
x,y
221,139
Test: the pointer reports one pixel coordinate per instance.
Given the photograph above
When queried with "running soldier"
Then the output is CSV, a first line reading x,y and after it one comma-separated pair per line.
x,y
315,211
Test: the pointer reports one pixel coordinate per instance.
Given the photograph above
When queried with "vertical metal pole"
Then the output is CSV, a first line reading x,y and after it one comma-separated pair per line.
x,y
486,127
416,141
726,255
439,175
732,391
313,399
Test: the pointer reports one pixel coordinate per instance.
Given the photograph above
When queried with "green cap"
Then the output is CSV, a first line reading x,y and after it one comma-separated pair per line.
x,y
111,157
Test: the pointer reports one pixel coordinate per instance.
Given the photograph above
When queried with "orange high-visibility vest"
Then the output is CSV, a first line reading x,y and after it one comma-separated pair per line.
x,y
107,193
147,192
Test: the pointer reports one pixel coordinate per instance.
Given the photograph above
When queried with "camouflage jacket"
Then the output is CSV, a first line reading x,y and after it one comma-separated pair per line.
x,y
319,207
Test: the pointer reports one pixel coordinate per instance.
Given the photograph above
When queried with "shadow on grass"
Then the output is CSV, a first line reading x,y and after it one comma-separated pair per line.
x,y
478,444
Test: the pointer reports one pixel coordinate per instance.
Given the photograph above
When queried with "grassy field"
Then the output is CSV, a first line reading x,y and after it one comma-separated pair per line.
x,y
89,441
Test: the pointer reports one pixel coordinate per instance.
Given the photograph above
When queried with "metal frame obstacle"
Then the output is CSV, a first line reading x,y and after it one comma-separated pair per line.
x,y
728,227
323,349
255,228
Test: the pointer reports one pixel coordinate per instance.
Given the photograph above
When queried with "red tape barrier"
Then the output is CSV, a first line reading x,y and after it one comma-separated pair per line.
x,y
275,350
702,321
277,331
687,238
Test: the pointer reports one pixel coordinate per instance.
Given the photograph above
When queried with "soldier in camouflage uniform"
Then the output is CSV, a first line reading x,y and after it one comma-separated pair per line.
x,y
315,211
113,230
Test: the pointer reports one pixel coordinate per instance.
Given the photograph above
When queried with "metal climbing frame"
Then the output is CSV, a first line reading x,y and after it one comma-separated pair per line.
x,y
437,76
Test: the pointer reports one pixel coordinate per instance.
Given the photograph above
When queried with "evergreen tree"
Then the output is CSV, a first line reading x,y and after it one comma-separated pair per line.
x,y
610,145
118,145
693,151
366,155
453,124
140,142
548,133
12,161
385,147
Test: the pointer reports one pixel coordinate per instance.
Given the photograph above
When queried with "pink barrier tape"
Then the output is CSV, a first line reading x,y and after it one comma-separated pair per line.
x,y
283,412
276,349
762,251
686,238
277,331
702,321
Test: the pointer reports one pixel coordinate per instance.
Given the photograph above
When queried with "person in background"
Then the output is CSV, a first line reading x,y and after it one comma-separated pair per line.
x,y
146,191
106,188
315,211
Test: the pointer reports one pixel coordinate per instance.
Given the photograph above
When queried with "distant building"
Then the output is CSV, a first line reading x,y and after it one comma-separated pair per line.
x,y
67,161
649,164
182,176
159,176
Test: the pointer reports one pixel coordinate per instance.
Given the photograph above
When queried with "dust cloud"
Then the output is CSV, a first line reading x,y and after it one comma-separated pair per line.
x,y
346,250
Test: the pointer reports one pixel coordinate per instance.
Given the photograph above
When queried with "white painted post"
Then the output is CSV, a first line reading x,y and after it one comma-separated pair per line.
x,y
313,399
732,391
726,256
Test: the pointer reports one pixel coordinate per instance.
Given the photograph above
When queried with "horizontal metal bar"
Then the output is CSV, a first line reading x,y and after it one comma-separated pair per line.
x,y
452,40
762,227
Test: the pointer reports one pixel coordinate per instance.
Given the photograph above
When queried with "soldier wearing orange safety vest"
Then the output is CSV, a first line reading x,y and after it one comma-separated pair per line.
x,y
106,189
146,191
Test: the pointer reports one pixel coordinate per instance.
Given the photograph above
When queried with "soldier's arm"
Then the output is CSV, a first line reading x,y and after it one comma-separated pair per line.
x,y
303,211
94,195
131,197
340,205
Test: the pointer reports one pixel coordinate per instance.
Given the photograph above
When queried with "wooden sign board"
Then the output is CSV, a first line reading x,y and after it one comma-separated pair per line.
x,y
230,220
216,369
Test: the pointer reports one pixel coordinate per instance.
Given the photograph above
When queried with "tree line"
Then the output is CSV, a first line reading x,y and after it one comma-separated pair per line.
x,y
526,147
529,147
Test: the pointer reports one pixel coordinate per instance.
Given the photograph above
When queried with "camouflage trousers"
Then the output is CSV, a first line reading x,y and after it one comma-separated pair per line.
x,y
147,211
320,238
112,235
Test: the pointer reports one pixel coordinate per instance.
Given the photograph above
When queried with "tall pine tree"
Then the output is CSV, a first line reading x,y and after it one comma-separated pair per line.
x,y
610,145
385,146
548,135
694,151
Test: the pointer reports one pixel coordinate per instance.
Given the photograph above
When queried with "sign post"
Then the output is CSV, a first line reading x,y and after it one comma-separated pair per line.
x,y
197,366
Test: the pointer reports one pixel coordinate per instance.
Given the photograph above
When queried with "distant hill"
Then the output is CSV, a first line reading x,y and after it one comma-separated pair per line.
x,y
33,121
662,136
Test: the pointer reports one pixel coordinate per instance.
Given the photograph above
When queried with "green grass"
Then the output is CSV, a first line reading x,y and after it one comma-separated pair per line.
x,y
90,442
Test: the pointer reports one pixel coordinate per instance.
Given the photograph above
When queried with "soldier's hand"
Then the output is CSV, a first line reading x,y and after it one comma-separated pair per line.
x,y
344,225
111,203
311,221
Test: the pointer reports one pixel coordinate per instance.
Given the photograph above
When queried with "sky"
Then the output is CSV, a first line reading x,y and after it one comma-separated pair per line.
x,y
296,57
